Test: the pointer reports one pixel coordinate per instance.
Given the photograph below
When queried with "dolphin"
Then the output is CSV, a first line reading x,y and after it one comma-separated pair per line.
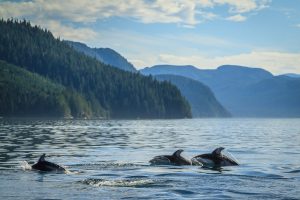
x,y
174,159
215,159
47,166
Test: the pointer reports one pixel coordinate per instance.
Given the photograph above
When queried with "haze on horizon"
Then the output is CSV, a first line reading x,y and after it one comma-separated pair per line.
x,y
203,33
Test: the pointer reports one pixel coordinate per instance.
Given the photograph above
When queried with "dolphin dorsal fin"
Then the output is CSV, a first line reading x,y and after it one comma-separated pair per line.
x,y
177,153
217,151
42,158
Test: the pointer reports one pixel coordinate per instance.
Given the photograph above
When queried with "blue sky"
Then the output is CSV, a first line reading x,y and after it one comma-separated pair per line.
x,y
203,33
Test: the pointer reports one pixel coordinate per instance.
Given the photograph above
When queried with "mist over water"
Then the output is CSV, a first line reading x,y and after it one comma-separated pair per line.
x,y
108,159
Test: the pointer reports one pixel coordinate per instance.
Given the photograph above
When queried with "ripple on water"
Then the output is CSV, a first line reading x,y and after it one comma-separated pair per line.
x,y
183,192
294,171
260,174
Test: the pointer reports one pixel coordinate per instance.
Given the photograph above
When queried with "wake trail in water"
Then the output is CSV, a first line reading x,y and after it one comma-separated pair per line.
x,y
25,166
118,182
107,165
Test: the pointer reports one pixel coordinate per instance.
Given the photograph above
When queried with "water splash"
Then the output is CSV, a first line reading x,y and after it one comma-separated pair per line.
x,y
118,182
106,165
67,171
25,166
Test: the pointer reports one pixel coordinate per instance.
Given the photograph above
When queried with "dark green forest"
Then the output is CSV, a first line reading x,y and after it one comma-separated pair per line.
x,y
25,94
71,83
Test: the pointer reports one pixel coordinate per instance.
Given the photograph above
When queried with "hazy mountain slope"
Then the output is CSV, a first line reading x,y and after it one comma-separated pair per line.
x,y
226,76
202,100
119,93
183,70
292,75
242,90
229,82
278,96
106,55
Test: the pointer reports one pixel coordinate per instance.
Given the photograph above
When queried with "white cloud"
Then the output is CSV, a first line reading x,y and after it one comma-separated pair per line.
x,y
45,14
187,12
239,6
69,32
276,62
87,11
237,18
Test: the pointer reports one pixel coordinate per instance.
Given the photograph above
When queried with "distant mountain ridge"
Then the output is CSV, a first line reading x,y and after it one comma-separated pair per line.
x,y
202,100
278,96
106,55
292,75
222,77
237,88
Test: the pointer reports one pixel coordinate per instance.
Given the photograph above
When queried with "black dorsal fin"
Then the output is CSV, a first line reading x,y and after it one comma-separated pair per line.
x,y
217,151
42,158
177,153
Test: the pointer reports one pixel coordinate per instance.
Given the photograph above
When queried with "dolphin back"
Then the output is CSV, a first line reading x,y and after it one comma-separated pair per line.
x,y
47,166
218,151
216,158
177,153
174,159
228,159
42,158
160,160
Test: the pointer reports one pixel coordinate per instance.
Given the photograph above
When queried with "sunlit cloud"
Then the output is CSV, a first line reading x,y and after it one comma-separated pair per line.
x,y
276,62
68,32
237,18
243,6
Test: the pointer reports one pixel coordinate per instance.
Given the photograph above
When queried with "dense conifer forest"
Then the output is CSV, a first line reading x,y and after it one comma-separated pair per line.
x,y
65,82
26,94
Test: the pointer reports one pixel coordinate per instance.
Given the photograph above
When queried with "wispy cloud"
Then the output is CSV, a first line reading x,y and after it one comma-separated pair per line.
x,y
276,62
88,11
237,18
143,50
243,6
68,32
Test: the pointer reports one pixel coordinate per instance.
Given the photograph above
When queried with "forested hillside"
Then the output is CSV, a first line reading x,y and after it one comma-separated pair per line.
x,y
121,94
24,94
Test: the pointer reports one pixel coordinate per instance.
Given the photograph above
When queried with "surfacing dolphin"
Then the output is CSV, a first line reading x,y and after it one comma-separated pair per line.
x,y
215,159
47,166
174,159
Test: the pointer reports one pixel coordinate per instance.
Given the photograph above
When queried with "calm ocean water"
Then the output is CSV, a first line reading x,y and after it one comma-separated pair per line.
x,y
108,159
